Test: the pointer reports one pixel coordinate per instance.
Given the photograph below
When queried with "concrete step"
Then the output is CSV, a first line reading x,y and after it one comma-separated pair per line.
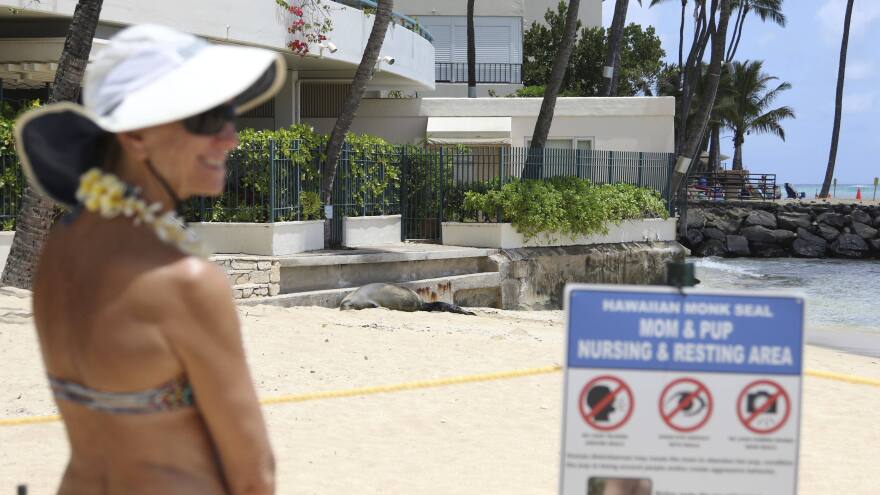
x,y
397,263
474,289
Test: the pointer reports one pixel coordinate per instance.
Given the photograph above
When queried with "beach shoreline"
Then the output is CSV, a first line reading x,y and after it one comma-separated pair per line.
x,y
496,436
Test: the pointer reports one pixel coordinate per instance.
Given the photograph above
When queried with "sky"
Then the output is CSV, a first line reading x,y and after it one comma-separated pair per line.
x,y
805,53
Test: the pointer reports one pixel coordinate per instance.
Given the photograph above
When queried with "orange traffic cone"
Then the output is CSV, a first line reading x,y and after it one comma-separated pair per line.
x,y
859,194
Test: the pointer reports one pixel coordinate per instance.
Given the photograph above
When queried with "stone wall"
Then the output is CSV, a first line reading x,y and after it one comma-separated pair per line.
x,y
251,276
774,230
534,278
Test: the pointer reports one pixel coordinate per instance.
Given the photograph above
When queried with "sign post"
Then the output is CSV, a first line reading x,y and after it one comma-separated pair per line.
x,y
681,391
876,182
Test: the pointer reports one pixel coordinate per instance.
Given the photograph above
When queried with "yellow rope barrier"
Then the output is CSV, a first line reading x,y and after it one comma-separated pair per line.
x,y
830,375
438,382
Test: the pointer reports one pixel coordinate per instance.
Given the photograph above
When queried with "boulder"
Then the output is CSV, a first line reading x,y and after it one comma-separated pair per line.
x,y
765,250
738,245
723,223
757,233
861,216
738,213
874,244
849,246
828,232
809,236
762,218
713,233
864,231
876,222
695,219
712,247
783,236
793,221
694,237
835,220
808,245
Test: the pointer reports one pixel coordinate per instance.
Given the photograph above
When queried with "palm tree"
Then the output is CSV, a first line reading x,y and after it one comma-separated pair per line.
x,y
36,212
764,9
471,52
749,110
381,19
615,41
551,91
615,38
718,32
838,102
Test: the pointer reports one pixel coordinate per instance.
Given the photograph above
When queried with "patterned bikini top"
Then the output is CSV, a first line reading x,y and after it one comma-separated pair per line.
x,y
172,395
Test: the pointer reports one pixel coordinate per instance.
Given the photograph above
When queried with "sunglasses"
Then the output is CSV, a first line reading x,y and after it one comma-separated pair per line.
x,y
210,121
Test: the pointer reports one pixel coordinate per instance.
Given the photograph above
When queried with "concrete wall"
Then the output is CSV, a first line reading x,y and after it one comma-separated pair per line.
x,y
589,13
535,278
261,24
371,230
505,235
619,124
264,239
5,245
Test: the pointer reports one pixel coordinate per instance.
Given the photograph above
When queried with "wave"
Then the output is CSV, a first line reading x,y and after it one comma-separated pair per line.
x,y
713,264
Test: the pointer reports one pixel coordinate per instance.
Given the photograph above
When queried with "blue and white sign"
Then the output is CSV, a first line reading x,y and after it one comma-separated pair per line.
x,y
672,391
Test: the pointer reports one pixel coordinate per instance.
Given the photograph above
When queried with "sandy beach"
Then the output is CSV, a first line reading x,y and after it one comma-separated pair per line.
x,y
490,437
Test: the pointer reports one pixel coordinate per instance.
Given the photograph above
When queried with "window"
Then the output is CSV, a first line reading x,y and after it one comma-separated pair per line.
x,y
566,156
498,42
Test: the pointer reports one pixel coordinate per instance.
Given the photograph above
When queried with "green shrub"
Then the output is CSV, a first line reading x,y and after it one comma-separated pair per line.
x,y
374,169
566,206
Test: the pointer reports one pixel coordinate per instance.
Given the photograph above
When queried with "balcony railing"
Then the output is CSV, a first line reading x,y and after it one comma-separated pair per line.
x,y
397,17
457,72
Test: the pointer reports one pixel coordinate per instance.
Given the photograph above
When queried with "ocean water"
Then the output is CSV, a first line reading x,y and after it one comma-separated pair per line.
x,y
840,294
844,191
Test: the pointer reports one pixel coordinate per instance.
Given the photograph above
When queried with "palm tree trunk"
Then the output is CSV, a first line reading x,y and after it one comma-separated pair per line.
x,y
838,103
534,163
715,148
738,153
615,38
381,19
471,51
36,213
719,38
679,131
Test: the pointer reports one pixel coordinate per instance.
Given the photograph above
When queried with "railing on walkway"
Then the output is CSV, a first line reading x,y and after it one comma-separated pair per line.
x,y
457,72
732,186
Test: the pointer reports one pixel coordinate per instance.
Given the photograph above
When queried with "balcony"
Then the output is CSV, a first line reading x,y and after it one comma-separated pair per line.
x,y
487,73
396,17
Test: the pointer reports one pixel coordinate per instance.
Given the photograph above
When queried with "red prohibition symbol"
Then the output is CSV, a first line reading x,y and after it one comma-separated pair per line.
x,y
606,403
763,407
686,405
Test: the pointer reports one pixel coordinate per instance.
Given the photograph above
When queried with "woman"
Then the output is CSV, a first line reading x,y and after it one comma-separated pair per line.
x,y
140,338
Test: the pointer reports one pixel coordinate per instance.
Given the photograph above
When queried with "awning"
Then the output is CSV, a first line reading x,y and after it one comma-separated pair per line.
x,y
468,130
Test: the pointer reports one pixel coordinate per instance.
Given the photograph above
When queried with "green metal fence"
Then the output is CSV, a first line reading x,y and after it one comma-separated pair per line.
x,y
435,179
426,185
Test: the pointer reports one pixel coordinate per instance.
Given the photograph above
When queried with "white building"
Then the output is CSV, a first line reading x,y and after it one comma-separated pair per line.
x,y
427,54
31,40
498,38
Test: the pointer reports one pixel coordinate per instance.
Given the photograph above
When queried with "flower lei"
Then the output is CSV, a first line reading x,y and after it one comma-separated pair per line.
x,y
108,196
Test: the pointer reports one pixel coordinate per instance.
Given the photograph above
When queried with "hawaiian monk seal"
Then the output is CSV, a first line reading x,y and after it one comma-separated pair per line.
x,y
394,297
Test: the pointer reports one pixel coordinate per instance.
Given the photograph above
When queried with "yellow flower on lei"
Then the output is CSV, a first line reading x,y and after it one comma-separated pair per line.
x,y
106,195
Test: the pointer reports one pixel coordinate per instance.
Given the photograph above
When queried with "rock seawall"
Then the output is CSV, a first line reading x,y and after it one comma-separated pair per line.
x,y
788,230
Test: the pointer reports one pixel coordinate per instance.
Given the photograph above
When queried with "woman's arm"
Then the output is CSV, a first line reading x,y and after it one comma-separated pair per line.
x,y
207,338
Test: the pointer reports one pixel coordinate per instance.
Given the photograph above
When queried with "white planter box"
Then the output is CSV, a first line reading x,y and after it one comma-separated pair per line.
x,y
505,236
370,230
266,239
5,246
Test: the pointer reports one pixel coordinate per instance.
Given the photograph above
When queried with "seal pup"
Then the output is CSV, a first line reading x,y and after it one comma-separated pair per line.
x,y
394,297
